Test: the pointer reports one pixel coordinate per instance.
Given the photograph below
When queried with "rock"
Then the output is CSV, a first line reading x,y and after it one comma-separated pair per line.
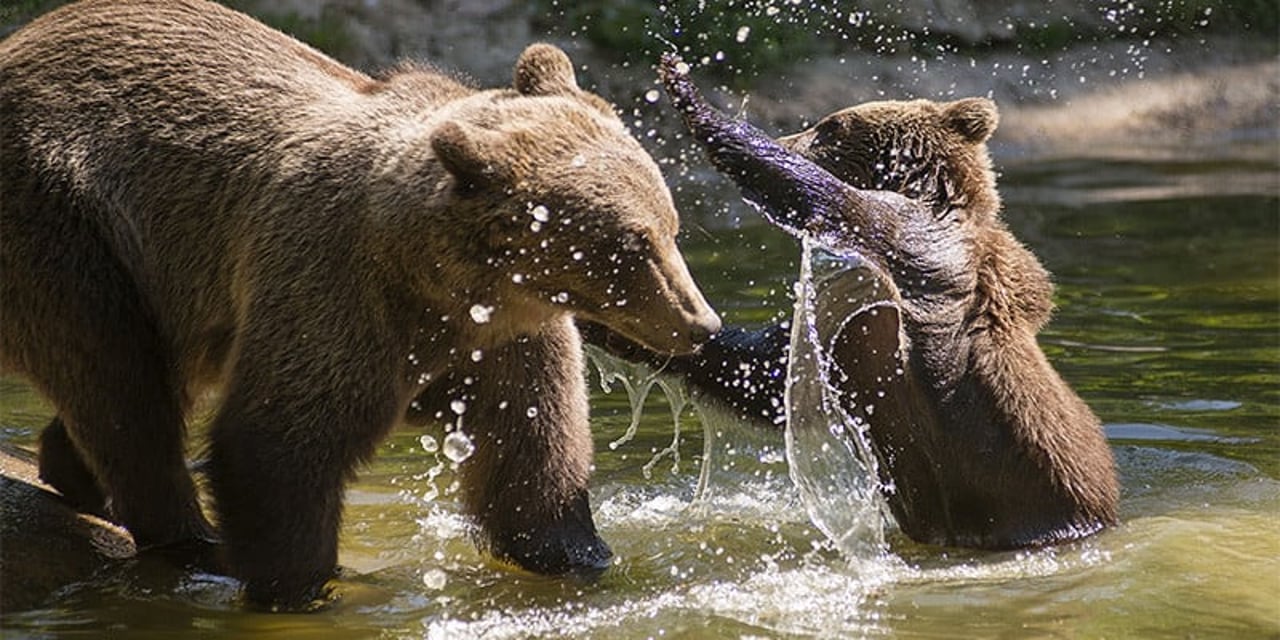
x,y
45,545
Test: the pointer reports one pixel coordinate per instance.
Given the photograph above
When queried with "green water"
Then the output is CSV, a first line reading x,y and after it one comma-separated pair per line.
x,y
1168,275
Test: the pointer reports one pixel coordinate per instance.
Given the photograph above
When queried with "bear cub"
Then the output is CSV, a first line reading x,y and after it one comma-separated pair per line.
x,y
980,442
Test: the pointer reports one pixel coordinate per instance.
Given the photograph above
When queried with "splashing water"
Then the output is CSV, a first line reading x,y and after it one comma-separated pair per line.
x,y
828,451
638,380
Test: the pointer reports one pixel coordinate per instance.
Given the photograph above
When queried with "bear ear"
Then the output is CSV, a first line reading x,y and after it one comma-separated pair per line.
x,y
464,153
973,118
544,70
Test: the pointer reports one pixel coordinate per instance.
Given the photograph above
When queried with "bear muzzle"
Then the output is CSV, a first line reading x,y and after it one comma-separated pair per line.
x,y
665,311
675,319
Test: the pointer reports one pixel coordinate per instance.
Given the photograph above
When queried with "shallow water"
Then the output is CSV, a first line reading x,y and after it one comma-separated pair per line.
x,y
1168,325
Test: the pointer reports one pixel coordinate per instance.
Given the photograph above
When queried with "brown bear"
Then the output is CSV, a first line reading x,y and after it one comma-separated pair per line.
x,y
192,201
981,443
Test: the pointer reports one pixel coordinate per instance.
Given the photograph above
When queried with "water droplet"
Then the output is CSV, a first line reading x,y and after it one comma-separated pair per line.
x,y
651,96
578,255
429,444
743,33
517,278
458,447
532,412
481,314
477,355
540,213
458,406
434,579
578,161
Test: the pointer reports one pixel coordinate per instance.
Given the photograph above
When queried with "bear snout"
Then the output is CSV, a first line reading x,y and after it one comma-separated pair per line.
x,y
698,327
703,327
667,329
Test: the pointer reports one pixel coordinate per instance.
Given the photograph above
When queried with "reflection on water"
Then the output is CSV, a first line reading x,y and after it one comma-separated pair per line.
x,y
1167,325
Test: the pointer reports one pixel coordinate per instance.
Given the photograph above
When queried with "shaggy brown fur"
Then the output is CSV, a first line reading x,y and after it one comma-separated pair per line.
x,y
985,444
190,200
981,443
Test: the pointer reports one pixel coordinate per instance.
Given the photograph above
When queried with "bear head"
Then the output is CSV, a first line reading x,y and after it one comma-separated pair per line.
x,y
935,152
567,211
950,245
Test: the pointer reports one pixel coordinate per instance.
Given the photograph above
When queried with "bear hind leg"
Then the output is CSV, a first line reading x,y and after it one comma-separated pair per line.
x,y
77,327
62,467
123,425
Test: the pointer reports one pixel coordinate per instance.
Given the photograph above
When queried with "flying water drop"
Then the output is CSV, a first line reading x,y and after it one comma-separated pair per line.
x,y
480,313
458,446
429,443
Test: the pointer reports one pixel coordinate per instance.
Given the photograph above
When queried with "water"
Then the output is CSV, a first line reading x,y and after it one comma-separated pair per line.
x,y
1168,270
829,454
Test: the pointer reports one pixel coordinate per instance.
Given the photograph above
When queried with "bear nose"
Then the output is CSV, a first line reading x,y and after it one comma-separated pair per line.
x,y
704,328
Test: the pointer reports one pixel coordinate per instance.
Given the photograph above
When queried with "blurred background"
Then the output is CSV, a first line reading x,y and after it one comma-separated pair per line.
x,y
798,60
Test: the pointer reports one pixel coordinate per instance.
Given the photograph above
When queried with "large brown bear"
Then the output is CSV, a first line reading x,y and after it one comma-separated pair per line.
x,y
192,201
981,443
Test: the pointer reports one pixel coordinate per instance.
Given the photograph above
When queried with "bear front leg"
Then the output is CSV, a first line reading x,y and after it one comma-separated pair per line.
x,y
286,440
526,482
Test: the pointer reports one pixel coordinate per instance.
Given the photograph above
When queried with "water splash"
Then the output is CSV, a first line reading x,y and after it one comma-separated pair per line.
x,y
637,381
828,450
678,400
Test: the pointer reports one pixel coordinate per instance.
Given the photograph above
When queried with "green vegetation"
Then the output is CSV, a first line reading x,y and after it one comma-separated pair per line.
x,y
746,38
743,37
327,32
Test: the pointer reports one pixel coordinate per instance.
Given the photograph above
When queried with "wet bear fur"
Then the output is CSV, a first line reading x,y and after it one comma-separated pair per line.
x,y
193,203
980,441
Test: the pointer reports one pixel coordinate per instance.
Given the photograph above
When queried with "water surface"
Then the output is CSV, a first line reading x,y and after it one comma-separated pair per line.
x,y
1168,324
